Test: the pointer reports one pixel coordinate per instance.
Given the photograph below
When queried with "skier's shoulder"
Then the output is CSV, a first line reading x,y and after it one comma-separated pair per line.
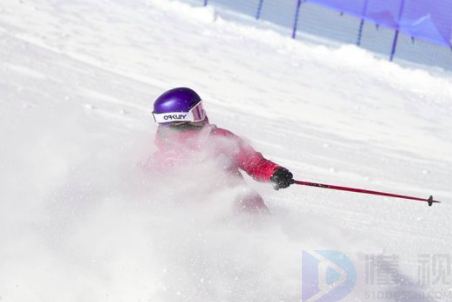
x,y
221,132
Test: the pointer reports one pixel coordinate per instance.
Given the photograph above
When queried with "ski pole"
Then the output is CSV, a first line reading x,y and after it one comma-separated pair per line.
x,y
430,200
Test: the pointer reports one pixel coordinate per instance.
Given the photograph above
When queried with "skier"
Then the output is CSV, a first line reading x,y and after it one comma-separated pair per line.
x,y
184,131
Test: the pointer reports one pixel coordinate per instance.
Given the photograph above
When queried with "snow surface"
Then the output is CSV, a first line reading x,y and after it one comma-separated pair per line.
x,y
79,219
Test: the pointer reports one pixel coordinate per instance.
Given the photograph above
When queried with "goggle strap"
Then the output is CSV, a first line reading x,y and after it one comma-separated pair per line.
x,y
196,114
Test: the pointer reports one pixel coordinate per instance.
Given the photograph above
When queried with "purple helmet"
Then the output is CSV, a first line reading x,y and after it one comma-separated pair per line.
x,y
178,105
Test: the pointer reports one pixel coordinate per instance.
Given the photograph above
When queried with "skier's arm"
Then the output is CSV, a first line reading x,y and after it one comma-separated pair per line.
x,y
257,166
253,163
262,169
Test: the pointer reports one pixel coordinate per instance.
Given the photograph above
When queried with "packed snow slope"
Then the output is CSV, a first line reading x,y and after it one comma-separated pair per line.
x,y
81,221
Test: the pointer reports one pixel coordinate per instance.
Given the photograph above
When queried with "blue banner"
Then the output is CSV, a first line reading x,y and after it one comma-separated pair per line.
x,y
429,20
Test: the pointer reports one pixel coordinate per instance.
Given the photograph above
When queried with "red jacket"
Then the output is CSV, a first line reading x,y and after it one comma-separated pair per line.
x,y
229,150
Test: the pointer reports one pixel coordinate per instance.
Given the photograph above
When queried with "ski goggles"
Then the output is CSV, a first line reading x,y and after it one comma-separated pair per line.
x,y
196,114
